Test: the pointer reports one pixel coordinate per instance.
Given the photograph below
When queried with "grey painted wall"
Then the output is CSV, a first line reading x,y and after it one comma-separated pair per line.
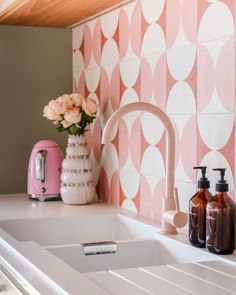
x,y
35,66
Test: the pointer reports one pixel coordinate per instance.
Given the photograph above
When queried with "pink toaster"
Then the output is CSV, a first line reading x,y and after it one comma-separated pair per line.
x,y
44,170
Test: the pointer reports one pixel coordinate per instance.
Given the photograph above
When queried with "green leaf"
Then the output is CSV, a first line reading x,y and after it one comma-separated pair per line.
x,y
74,130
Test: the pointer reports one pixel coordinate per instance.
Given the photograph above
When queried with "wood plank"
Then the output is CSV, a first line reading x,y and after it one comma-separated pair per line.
x,y
216,278
189,283
113,284
54,13
150,283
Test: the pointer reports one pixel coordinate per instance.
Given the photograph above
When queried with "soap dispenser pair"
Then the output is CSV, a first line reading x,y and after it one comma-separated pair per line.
x,y
212,219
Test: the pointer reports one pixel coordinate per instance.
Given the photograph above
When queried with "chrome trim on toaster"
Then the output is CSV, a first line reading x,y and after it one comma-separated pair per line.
x,y
41,165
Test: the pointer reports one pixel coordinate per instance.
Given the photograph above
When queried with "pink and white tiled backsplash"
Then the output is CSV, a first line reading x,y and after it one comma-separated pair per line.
x,y
180,56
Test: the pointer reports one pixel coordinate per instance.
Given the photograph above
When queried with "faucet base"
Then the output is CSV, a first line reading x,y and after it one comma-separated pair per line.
x,y
168,229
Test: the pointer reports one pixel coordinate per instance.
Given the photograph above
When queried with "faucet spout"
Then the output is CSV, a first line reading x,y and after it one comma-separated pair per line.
x,y
171,218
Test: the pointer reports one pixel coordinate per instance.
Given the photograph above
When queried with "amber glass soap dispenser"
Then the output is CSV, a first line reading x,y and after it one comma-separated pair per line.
x,y
220,219
197,211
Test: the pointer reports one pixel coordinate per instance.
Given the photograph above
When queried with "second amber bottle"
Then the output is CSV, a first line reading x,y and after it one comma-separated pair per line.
x,y
197,211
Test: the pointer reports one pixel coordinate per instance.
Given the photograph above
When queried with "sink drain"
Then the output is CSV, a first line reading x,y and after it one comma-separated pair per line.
x,y
96,248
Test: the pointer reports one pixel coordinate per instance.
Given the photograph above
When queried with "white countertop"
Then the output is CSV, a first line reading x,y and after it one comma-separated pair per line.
x,y
211,277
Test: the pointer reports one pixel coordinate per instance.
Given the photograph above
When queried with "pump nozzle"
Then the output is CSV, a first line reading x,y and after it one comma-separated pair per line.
x,y
221,185
222,173
203,169
203,182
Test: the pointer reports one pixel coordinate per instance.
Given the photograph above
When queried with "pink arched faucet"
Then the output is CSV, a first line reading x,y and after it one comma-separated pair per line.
x,y
172,218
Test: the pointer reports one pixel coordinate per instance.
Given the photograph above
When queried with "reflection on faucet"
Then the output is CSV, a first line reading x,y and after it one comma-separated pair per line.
x,y
171,216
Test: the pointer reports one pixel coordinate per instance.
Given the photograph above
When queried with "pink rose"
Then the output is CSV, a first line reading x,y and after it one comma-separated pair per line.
x,y
73,116
59,107
89,105
77,99
67,100
53,111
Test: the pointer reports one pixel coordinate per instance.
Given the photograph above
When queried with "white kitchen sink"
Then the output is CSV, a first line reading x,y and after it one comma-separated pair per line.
x,y
130,254
137,244
78,229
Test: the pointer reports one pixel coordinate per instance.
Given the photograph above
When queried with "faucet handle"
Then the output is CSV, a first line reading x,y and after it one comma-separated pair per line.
x,y
176,196
174,217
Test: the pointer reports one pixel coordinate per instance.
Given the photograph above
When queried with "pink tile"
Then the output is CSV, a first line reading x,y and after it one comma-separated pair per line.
x,y
146,81
87,45
136,29
97,46
160,82
102,90
173,20
189,19
103,186
135,143
203,138
225,74
124,143
189,147
205,77
115,88
124,33
145,198
114,193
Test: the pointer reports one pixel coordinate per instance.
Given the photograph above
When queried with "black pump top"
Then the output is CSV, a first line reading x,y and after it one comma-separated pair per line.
x,y
221,185
203,181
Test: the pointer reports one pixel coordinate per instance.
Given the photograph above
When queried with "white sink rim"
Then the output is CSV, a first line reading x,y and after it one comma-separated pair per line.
x,y
77,229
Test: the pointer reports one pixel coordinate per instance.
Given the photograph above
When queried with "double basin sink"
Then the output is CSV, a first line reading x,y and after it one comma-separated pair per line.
x,y
90,243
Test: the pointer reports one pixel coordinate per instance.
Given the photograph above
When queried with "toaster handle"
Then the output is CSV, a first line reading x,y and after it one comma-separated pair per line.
x,y
41,165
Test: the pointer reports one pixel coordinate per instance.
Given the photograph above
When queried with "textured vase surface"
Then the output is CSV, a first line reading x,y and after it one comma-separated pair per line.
x,y
77,185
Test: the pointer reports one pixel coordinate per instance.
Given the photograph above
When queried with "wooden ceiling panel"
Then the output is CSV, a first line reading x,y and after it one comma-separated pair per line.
x,y
53,13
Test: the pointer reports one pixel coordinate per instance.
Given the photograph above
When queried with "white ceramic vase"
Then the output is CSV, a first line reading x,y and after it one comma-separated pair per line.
x,y
77,185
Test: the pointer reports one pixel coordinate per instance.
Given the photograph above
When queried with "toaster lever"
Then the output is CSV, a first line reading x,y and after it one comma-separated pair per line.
x,y
41,165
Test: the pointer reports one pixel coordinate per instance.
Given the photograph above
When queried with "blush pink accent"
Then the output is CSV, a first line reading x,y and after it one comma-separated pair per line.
x,y
97,136
189,147
81,86
114,194
97,46
205,77
225,74
159,84
50,153
146,81
146,205
104,90
177,144
115,88
135,29
87,45
228,150
158,194
189,19
202,6
173,17
123,143
135,143
123,33
202,149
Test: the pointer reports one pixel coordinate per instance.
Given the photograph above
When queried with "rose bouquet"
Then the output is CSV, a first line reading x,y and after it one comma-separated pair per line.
x,y
71,113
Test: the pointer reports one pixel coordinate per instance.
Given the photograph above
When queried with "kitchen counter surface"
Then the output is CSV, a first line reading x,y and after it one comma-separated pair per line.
x,y
205,277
